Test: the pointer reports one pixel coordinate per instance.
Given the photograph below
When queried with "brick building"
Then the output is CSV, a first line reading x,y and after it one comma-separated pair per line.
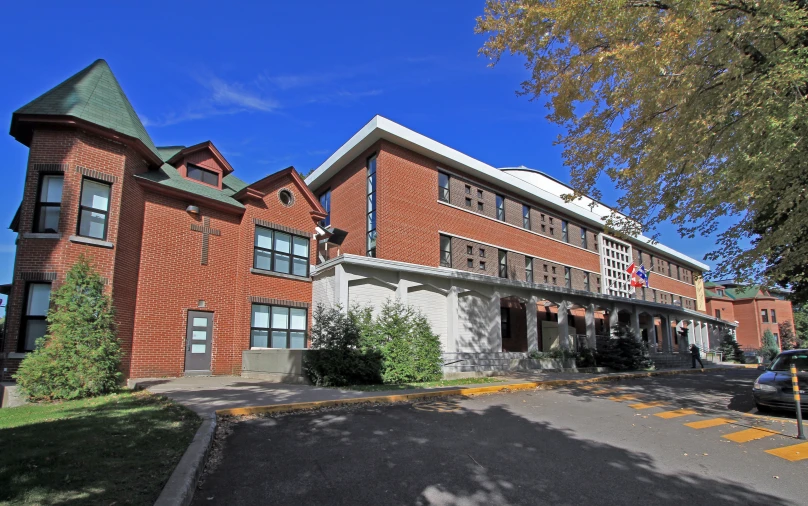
x,y
495,258
211,275
754,310
200,265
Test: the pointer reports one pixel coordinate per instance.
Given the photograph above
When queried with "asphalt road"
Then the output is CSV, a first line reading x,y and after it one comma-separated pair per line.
x,y
602,445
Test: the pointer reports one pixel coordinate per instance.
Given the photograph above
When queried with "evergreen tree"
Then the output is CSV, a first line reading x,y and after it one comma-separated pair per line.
x,y
80,354
787,338
770,348
624,352
730,348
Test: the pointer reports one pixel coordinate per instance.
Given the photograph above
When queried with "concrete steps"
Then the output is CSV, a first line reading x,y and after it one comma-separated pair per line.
x,y
670,360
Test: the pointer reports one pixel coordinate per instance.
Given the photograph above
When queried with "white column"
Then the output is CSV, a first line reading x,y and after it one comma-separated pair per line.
x,y
635,323
666,335
451,320
563,326
590,326
495,332
613,319
402,290
652,334
532,324
341,286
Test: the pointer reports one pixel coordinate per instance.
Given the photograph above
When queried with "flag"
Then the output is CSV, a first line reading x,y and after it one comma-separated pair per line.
x,y
632,268
643,274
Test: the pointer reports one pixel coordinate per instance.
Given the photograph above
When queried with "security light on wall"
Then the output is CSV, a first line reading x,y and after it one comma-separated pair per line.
x,y
192,209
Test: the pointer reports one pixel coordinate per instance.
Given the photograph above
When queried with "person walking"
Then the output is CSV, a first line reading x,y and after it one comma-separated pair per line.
x,y
695,354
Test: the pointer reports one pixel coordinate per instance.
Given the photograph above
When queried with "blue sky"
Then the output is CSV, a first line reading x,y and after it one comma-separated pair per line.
x,y
281,83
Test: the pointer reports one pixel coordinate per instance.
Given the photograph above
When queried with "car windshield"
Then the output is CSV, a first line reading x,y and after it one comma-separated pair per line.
x,y
783,362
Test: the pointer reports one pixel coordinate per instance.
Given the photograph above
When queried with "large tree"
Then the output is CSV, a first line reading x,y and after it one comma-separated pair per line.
x,y
695,109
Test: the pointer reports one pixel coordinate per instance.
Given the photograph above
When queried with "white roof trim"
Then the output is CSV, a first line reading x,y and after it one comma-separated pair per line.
x,y
382,128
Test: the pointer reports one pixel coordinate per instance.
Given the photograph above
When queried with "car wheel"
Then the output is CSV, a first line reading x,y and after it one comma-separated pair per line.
x,y
762,408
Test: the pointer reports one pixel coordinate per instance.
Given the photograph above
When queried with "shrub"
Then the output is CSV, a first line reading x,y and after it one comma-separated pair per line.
x,y
335,358
586,357
80,354
624,352
769,350
410,351
731,349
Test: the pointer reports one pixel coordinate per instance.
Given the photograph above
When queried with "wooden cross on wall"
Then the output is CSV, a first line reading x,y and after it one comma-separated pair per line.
x,y
206,233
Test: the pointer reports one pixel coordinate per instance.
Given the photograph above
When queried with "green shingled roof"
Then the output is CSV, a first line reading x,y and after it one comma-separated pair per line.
x,y
740,292
170,177
93,95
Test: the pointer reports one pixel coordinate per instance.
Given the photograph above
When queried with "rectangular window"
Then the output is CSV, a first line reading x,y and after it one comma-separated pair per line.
x,y
543,228
564,231
528,269
482,265
500,208
281,252
34,323
764,316
482,252
443,187
480,206
48,204
278,327
526,216
586,281
639,257
468,202
555,281
503,263
670,268
468,190
204,175
469,250
371,218
546,280
584,242
479,194
470,263
774,316
718,313
94,209
445,251
552,231
325,201
655,296
567,277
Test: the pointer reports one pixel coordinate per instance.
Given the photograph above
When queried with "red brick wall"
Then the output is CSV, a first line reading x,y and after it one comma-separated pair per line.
x,y
726,307
410,214
75,148
172,281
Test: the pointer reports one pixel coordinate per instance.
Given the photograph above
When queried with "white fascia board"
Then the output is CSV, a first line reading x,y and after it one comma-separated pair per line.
x,y
382,128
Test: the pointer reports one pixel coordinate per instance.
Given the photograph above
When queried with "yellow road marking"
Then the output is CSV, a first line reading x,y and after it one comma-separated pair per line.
x,y
706,424
587,387
749,435
604,391
791,453
646,405
675,413
627,397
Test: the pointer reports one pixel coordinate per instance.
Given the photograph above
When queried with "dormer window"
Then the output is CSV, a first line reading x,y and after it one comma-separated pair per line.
x,y
203,175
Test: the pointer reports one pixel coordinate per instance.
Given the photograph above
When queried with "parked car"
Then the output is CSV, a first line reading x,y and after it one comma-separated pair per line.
x,y
773,390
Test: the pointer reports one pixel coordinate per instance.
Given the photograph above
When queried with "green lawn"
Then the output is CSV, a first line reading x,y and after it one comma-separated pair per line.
x,y
116,449
425,384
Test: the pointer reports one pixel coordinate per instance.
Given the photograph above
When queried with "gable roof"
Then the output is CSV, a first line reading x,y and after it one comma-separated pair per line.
x,y
93,95
383,128
255,190
169,177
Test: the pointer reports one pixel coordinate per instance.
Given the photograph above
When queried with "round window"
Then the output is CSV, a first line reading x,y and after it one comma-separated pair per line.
x,y
286,197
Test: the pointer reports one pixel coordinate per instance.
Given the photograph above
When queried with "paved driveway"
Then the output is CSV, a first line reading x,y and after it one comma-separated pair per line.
x,y
598,445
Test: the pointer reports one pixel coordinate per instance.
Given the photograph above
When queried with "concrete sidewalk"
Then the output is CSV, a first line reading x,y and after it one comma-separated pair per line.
x,y
207,394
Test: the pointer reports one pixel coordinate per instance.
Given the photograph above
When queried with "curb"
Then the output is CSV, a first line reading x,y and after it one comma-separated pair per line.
x,y
390,399
179,490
